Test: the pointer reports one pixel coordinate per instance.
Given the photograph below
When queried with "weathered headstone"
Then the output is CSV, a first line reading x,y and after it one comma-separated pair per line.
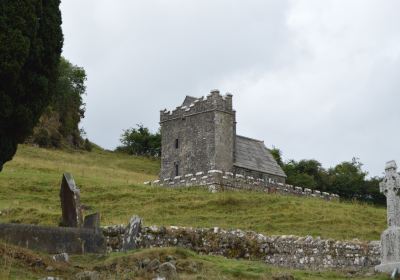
x,y
70,202
390,238
132,231
92,221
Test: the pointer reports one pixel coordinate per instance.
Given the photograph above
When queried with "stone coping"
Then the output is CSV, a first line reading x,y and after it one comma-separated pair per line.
x,y
217,180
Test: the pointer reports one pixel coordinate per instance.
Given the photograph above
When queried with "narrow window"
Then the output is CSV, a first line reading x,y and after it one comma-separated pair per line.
x,y
176,143
176,169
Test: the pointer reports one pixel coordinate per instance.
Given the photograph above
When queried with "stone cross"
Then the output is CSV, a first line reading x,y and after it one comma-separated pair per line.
x,y
390,188
70,202
390,238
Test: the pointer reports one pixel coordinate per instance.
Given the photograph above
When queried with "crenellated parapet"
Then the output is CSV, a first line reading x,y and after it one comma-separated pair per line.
x,y
217,180
212,102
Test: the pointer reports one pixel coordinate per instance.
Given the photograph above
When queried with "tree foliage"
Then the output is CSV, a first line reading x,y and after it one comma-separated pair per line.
x,y
140,141
30,46
68,100
60,122
346,179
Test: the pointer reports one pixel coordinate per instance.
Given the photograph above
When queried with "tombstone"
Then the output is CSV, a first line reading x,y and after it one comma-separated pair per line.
x,y
390,238
70,202
132,232
92,221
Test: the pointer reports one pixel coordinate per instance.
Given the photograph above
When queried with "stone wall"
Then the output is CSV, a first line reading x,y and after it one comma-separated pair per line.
x,y
258,175
216,180
288,251
53,240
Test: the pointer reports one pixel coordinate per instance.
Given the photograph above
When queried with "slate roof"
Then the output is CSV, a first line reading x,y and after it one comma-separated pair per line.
x,y
252,154
189,100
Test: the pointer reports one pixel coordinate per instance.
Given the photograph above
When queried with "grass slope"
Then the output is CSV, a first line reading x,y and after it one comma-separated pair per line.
x,y
112,184
18,263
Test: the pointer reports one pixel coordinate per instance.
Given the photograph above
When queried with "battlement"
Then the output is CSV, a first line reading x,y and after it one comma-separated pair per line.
x,y
217,180
212,102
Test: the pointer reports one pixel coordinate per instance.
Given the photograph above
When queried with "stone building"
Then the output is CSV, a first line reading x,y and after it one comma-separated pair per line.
x,y
200,135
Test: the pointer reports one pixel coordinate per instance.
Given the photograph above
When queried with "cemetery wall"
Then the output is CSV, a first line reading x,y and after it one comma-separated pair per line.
x,y
53,240
287,251
216,180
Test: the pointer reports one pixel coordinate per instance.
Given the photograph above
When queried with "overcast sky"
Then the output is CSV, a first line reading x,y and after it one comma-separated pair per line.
x,y
317,79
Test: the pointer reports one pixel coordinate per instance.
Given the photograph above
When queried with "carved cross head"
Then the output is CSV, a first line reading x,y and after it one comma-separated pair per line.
x,y
391,180
391,167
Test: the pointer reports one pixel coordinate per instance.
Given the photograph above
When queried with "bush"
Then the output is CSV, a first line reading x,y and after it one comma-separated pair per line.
x,y
42,138
62,117
87,145
141,141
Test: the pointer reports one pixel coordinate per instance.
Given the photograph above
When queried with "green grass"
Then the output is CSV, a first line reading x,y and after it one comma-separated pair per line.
x,y
115,265
112,184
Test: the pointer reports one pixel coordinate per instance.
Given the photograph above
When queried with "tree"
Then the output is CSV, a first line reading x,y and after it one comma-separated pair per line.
x,y
30,47
371,191
141,141
68,100
277,155
60,122
347,179
306,173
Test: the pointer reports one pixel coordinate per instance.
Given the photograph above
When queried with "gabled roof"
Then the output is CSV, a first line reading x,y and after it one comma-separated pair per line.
x,y
189,100
252,154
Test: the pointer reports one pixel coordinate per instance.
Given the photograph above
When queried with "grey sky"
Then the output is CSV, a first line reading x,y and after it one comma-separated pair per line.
x,y
317,79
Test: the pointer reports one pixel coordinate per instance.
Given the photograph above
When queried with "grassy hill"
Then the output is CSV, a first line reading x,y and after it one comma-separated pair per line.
x,y
18,263
112,184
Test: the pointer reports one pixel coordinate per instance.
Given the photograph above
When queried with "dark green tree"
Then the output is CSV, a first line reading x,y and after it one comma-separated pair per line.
x,y
60,122
348,180
305,173
140,141
294,177
277,154
30,47
371,193
68,100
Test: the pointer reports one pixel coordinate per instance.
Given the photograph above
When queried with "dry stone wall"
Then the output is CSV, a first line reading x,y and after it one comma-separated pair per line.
x,y
287,251
216,180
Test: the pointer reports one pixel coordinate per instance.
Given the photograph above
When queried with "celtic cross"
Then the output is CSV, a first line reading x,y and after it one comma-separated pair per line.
x,y
390,187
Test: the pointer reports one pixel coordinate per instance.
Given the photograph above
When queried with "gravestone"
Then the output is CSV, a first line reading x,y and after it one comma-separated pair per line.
x,y
390,238
92,221
132,232
70,202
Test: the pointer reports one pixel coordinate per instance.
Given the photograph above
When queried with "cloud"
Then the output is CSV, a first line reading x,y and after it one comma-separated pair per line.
x,y
318,79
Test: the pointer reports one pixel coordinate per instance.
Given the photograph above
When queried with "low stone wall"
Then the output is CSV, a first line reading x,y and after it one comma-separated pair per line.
x,y
287,251
53,240
216,180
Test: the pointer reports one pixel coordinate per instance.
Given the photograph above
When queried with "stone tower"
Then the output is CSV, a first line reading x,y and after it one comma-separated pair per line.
x,y
198,136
